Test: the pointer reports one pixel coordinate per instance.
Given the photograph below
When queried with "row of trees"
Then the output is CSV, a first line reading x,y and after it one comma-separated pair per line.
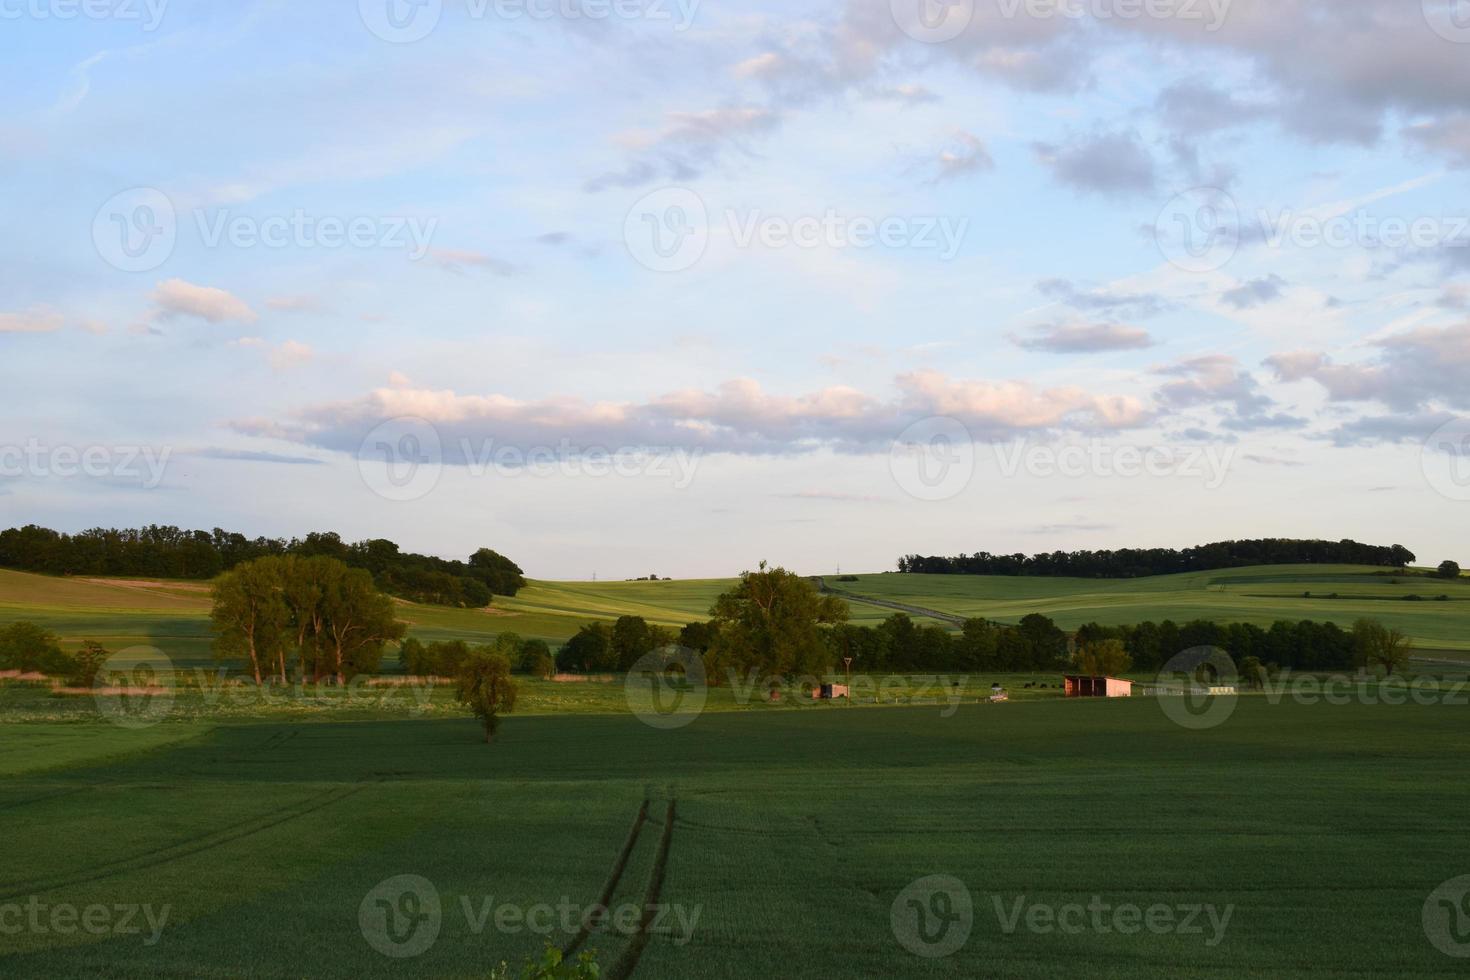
x,y
314,614
447,658
1303,645
170,552
1137,563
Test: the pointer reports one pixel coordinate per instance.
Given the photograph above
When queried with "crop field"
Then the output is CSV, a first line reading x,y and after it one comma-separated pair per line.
x,y
173,616
1305,838
1259,595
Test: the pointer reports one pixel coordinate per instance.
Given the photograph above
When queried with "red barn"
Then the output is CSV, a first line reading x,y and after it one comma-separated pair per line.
x,y
1079,686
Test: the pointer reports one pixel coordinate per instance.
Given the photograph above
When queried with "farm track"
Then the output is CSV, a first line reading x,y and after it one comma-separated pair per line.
x,y
17,804
912,610
188,848
620,864
628,962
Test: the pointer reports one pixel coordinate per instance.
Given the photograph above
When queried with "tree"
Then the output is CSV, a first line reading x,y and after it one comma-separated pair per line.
x,y
487,689
630,640
250,616
1103,658
1375,645
86,664
1449,570
31,649
414,657
536,659
357,620
589,650
770,622
303,582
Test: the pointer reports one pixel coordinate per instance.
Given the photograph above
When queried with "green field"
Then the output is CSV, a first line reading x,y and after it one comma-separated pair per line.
x,y
173,615
1323,829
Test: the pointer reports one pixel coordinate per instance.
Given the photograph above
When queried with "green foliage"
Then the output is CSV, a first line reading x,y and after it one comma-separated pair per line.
x,y
486,688
32,649
535,659
1449,570
171,552
770,623
590,650
1377,646
552,966
1103,658
86,664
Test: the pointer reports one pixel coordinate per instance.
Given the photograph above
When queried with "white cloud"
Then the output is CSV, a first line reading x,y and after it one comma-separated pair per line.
x,y
176,298
38,319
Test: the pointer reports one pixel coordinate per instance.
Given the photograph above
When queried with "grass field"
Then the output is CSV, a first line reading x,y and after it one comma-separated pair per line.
x,y
173,615
1322,829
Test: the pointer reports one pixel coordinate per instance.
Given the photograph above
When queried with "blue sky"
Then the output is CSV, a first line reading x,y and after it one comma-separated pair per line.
x,y
763,380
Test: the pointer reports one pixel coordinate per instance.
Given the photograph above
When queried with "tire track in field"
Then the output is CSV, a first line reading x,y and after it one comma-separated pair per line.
x,y
628,962
620,864
174,852
17,804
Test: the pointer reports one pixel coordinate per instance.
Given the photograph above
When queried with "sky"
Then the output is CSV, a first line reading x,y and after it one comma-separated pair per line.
x,y
632,287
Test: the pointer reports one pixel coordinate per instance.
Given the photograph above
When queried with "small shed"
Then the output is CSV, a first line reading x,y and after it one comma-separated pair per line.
x,y
1080,686
829,692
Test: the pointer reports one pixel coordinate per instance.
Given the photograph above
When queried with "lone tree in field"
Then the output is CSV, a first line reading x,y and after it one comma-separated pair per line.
x,y
1449,570
487,689
769,622
1103,658
1375,645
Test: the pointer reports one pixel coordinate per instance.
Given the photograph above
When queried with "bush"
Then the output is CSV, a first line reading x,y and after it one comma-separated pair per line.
x,y
31,649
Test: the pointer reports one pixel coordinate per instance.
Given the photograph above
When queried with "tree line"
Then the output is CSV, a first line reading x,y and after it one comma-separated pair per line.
x,y
1137,563
160,551
776,623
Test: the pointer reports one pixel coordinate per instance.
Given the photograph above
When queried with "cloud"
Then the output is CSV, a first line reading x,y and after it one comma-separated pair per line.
x,y
252,456
737,417
688,144
459,261
38,319
1084,338
1410,371
294,304
1255,292
1449,138
1197,108
176,298
288,355
1112,164
1218,380
1104,301
966,155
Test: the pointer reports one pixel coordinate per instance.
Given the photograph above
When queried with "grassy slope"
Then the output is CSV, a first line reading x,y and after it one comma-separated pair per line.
x,y
1258,595
1326,826
172,616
